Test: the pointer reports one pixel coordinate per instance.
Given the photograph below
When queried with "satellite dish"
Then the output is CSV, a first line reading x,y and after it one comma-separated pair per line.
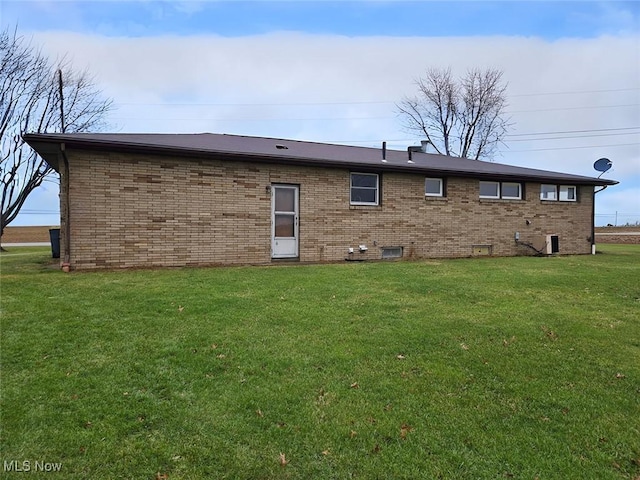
x,y
602,165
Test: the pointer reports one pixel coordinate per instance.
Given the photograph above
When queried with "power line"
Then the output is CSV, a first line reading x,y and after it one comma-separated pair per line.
x,y
573,148
572,131
619,213
584,107
285,119
357,102
406,140
571,136
281,104
366,117
575,108
38,212
409,140
576,92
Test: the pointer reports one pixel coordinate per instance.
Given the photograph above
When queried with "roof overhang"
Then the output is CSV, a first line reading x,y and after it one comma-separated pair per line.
x,y
50,147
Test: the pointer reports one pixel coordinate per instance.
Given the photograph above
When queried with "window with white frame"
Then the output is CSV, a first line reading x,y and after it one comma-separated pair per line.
x,y
567,193
564,193
489,189
548,192
434,187
511,191
504,190
364,189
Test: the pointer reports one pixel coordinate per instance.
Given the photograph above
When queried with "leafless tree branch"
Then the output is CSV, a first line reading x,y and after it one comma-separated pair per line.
x,y
30,102
463,118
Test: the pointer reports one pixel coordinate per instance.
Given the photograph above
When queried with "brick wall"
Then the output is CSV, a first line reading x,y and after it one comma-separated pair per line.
x,y
140,210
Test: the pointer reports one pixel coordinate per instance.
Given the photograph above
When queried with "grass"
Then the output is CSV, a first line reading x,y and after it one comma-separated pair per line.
x,y
458,369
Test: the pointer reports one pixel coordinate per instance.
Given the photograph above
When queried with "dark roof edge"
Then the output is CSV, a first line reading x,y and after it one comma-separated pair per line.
x,y
93,143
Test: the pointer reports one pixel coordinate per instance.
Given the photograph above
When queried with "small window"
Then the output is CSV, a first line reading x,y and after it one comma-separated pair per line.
x,y
512,191
391,252
489,189
505,190
567,193
548,192
364,189
433,187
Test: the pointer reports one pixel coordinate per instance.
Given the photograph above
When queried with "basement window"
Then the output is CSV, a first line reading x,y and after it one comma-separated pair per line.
x,y
391,252
364,189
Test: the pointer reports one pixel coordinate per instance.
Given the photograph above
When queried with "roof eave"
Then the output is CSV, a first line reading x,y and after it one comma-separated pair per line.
x,y
48,150
44,145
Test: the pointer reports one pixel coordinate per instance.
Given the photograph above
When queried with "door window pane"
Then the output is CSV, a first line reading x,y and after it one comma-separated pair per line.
x,y
284,226
285,199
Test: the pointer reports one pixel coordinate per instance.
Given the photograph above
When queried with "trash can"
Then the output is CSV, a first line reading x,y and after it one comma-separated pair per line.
x,y
54,235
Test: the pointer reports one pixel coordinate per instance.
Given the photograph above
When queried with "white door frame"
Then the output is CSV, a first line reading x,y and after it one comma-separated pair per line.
x,y
285,246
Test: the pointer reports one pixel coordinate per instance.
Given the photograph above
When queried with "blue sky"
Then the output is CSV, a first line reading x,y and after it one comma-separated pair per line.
x,y
550,20
333,72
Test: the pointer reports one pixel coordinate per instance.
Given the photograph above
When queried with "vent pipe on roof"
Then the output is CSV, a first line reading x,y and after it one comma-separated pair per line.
x,y
384,150
424,145
412,149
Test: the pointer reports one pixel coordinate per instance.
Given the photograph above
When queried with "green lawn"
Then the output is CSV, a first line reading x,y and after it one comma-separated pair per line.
x,y
460,369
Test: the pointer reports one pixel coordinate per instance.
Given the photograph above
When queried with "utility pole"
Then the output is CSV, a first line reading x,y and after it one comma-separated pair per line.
x,y
62,126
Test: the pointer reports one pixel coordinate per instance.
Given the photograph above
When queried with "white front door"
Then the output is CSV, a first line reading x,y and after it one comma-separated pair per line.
x,y
284,221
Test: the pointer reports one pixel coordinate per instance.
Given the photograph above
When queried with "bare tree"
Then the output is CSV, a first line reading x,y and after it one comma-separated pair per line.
x,y
463,118
37,96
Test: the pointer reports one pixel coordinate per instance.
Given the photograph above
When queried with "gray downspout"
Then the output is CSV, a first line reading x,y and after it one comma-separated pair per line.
x,y
593,218
66,258
593,221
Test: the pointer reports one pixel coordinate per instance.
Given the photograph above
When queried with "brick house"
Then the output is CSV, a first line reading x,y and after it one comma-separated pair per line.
x,y
156,200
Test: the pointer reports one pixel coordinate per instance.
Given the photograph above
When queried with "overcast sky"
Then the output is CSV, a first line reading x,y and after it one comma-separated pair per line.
x,y
333,72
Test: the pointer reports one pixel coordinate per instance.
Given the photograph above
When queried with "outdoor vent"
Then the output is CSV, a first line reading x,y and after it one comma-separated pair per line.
x,y
279,146
553,244
481,250
391,252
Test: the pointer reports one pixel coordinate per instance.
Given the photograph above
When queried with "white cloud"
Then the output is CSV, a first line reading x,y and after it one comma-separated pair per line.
x,y
254,85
